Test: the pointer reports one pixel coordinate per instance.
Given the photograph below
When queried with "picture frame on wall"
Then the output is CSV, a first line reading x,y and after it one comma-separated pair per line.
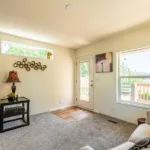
x,y
104,62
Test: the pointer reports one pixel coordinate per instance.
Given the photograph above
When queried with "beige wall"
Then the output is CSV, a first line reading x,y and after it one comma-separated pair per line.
x,y
47,89
105,83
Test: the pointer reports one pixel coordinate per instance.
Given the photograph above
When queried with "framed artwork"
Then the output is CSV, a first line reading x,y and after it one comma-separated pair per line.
x,y
104,62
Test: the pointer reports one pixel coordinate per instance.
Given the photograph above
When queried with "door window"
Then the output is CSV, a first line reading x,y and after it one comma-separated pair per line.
x,y
84,81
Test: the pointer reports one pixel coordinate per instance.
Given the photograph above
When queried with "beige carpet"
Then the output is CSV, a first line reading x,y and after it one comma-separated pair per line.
x,y
49,132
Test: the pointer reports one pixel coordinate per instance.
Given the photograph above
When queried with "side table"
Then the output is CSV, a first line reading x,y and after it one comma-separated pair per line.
x,y
19,109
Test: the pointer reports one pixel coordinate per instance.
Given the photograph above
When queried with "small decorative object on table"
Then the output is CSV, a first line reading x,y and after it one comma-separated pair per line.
x,y
11,97
16,97
141,121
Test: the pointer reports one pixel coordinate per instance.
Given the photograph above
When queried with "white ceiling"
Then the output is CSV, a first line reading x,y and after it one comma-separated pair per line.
x,y
84,22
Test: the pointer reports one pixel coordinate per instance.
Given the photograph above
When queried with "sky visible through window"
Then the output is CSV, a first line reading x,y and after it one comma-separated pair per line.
x,y
136,63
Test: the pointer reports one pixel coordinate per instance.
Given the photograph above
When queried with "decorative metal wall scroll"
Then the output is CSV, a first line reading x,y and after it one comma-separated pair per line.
x,y
30,65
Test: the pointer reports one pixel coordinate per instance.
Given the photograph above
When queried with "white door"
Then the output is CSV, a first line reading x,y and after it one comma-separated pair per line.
x,y
85,82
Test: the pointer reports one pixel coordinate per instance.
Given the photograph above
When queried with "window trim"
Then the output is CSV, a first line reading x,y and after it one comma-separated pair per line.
x,y
118,76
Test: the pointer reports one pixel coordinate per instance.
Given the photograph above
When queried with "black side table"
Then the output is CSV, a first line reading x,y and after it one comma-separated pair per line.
x,y
12,109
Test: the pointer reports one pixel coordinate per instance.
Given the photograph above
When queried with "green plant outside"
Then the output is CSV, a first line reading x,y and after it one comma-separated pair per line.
x,y
128,83
25,51
84,69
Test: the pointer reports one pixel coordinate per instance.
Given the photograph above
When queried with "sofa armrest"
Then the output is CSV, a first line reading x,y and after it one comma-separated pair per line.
x,y
87,148
141,132
148,117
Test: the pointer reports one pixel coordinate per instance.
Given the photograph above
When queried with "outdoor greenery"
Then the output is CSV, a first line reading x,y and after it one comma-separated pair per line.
x,y
24,51
84,69
128,83
126,71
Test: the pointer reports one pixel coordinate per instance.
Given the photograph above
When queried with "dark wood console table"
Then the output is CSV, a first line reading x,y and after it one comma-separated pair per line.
x,y
18,109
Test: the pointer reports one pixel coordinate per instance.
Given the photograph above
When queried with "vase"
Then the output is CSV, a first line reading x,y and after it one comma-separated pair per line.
x,y
11,99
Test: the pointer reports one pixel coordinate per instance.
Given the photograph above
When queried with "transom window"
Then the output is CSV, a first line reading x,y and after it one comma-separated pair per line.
x,y
24,50
134,77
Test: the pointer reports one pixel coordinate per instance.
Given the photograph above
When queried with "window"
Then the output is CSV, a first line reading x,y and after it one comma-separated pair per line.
x,y
84,80
24,50
134,77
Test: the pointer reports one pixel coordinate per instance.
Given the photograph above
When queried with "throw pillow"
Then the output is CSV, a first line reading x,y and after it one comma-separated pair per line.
x,y
144,143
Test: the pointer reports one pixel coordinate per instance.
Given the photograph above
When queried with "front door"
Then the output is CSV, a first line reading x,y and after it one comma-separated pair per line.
x,y
85,82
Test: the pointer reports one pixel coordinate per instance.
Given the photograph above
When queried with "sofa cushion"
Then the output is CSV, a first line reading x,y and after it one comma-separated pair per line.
x,y
144,143
87,148
124,146
142,131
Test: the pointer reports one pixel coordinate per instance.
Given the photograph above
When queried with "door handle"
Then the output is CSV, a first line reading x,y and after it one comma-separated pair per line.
x,y
92,85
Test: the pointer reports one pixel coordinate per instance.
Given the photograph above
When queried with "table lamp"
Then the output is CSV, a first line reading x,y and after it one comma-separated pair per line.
x,y
12,78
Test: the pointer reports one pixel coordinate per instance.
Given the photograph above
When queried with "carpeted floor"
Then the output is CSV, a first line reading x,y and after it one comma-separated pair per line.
x,y
49,132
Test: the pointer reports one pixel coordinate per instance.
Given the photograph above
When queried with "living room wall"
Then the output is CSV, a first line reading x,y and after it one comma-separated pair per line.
x,y
47,89
105,87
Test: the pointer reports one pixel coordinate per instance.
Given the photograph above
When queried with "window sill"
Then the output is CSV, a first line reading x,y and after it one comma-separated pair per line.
x,y
134,104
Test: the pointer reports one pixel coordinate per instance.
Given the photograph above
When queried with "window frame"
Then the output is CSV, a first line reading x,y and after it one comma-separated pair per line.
x,y
119,77
24,46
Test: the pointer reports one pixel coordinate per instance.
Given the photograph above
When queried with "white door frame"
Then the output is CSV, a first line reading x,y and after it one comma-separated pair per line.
x,y
92,62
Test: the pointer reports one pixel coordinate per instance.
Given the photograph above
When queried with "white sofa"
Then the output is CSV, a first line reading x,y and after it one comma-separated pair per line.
x,y
142,131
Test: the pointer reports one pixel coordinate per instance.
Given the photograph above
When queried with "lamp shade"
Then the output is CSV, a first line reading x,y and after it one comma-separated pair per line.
x,y
13,77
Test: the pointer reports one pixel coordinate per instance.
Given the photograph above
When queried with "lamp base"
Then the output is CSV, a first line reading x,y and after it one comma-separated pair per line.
x,y
13,87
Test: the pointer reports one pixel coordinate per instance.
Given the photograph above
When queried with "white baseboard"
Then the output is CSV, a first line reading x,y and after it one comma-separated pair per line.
x,y
85,108
61,107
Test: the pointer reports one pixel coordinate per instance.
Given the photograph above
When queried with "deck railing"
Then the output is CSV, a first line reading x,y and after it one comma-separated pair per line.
x,y
84,88
138,92
143,91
